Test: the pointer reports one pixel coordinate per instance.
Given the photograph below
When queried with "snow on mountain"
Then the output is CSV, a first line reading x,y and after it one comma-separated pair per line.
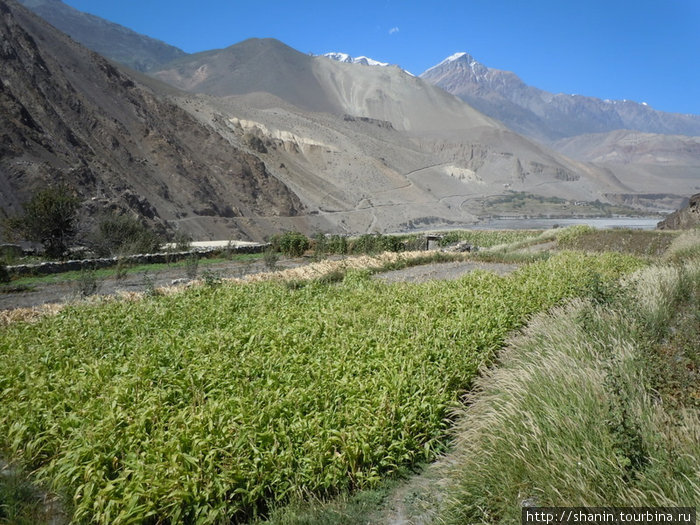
x,y
548,116
365,61
463,59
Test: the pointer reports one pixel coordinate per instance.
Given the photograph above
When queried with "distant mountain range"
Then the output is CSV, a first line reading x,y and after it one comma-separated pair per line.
x,y
113,41
258,137
547,116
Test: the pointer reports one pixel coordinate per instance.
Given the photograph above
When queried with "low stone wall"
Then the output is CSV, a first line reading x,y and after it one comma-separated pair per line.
x,y
47,268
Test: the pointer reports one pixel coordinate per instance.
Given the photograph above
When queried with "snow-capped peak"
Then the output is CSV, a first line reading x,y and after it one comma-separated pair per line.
x,y
344,57
454,58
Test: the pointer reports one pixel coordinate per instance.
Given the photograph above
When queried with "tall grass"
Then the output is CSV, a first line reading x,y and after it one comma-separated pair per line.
x,y
685,246
574,414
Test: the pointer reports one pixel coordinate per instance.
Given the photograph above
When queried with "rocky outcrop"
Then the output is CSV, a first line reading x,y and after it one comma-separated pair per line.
x,y
685,218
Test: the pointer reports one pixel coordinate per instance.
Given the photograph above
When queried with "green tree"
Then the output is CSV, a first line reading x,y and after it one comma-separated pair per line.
x,y
50,218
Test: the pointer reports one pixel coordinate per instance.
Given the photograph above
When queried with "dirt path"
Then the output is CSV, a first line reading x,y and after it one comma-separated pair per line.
x,y
65,291
443,271
69,290
416,502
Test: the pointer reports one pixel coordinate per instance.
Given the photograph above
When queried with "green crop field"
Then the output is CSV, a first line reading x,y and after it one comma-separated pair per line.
x,y
215,403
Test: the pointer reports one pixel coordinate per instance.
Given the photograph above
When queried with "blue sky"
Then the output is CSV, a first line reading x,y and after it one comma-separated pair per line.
x,y
642,50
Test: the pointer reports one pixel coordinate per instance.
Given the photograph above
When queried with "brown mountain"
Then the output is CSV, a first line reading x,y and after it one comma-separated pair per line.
x,y
68,114
374,147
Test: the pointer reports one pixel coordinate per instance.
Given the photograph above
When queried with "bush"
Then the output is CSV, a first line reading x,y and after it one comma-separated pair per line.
x,y
192,266
86,284
270,258
376,243
291,244
337,244
49,218
123,235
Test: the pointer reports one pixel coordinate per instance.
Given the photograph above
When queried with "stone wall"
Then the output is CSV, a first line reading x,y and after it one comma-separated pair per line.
x,y
47,268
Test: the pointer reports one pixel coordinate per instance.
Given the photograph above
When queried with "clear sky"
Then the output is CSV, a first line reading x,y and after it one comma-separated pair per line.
x,y
642,50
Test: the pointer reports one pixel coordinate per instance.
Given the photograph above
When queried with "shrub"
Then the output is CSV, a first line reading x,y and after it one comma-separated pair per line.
x,y
270,258
376,243
291,244
49,218
182,242
212,279
192,266
123,235
337,244
87,284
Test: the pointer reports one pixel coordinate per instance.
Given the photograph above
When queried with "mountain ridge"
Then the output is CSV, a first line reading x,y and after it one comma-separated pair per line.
x,y
547,116
315,145
114,41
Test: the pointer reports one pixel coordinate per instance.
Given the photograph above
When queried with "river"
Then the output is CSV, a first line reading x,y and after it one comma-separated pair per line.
x,y
603,223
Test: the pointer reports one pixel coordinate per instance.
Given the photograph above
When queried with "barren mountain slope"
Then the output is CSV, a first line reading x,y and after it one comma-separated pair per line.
x,y
362,174
69,114
265,65
360,126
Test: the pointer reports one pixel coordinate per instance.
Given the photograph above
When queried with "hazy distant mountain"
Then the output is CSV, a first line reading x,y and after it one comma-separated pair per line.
x,y
110,40
546,116
633,147
70,115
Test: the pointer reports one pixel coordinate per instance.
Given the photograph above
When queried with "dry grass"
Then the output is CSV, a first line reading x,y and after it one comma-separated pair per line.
x,y
572,415
684,246
650,243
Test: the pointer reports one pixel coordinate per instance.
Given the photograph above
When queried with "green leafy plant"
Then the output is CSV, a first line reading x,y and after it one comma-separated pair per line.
x,y
254,394
123,235
211,279
291,244
49,218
